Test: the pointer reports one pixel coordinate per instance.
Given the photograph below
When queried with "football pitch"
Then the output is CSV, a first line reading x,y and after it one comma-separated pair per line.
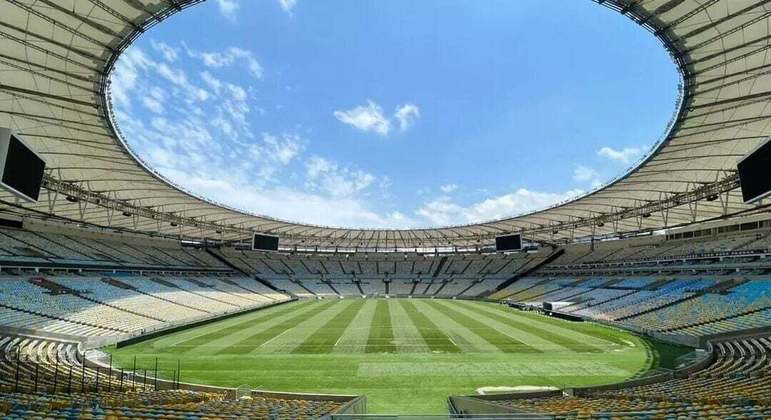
x,y
405,355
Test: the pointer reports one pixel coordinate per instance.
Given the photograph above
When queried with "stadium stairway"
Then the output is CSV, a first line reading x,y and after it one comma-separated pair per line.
x,y
524,273
331,286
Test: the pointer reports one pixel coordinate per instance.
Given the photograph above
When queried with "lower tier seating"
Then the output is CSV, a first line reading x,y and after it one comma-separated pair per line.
x,y
676,306
91,305
737,384
47,379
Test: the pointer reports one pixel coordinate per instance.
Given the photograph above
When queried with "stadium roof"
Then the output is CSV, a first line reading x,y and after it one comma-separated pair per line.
x,y
56,57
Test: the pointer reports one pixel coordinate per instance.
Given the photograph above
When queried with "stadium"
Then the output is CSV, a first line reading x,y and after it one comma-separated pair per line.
x,y
124,295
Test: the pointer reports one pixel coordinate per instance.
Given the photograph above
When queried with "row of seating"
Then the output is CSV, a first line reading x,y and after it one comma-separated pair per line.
x,y
707,308
667,247
48,379
736,385
686,306
342,287
87,305
392,265
108,250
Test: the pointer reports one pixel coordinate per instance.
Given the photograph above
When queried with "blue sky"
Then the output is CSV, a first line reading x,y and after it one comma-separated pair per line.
x,y
393,113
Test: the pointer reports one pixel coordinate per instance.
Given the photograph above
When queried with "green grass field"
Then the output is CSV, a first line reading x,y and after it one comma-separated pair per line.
x,y
406,355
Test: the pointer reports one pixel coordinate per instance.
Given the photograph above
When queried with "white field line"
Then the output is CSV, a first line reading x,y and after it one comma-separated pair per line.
x,y
338,340
266,343
451,340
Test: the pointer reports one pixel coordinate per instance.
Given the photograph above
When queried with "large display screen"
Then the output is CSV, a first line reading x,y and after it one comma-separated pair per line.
x,y
265,242
508,243
755,173
22,168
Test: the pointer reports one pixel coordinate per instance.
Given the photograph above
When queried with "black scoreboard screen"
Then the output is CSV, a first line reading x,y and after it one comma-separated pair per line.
x,y
21,169
755,173
508,243
264,242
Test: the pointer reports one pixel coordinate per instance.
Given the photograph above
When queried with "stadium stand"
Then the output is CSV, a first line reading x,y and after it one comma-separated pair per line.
x,y
51,379
736,384
112,297
112,250
99,306
697,306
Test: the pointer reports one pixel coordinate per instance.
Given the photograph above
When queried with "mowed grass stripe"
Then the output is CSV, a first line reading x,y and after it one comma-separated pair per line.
x,y
354,338
241,324
249,343
435,339
514,333
381,335
503,342
285,343
406,335
219,344
462,337
603,338
511,321
170,340
326,337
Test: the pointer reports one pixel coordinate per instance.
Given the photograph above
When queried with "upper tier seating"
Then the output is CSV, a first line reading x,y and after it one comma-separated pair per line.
x,y
99,250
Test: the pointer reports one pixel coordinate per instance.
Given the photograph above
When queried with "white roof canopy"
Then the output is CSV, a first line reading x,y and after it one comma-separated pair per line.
x,y
56,56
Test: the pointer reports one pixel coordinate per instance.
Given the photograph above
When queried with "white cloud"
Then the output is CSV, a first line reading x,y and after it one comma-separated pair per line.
x,y
228,57
625,156
169,53
587,175
443,211
124,77
366,118
406,115
153,104
228,8
211,81
335,180
371,118
287,5
448,188
287,203
282,149
199,135
207,147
